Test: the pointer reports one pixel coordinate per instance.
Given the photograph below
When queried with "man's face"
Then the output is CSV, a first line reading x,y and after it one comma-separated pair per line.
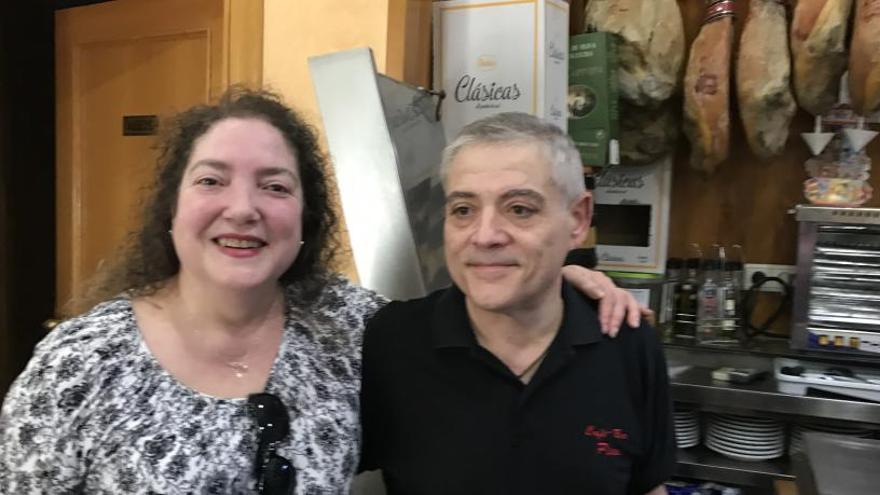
x,y
508,228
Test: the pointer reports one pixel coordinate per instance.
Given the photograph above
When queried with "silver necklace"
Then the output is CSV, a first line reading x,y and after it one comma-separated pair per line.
x,y
239,368
534,364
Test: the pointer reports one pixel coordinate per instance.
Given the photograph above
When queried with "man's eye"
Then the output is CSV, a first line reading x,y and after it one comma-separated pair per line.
x,y
460,211
522,211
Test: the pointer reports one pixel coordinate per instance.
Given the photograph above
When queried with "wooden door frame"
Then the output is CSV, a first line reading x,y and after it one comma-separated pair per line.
x,y
27,163
240,62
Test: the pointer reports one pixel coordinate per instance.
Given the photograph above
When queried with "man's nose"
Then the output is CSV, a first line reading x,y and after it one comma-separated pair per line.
x,y
490,231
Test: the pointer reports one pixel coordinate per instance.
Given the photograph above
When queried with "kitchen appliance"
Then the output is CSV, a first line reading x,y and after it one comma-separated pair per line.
x,y
837,286
385,140
799,377
632,217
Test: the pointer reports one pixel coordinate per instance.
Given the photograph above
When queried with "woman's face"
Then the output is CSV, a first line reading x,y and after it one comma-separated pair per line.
x,y
239,207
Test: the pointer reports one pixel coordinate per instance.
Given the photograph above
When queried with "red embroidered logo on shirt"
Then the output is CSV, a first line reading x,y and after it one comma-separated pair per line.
x,y
604,437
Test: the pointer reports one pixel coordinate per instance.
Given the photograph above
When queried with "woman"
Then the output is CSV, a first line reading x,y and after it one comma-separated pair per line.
x,y
225,358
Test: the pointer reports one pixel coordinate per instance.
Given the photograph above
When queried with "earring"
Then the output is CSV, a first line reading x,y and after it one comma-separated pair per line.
x,y
302,242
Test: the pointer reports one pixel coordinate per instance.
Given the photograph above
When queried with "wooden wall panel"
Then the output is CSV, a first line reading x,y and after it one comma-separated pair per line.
x,y
409,41
243,44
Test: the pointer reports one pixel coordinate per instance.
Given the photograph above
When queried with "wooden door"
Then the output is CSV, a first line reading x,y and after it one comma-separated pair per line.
x,y
132,59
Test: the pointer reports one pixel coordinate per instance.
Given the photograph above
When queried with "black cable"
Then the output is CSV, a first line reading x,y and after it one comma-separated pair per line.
x,y
751,331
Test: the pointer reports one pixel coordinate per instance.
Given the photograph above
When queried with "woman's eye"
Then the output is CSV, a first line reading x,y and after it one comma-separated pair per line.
x,y
208,181
278,188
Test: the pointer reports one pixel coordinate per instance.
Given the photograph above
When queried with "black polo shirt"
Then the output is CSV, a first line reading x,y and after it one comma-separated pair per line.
x,y
442,415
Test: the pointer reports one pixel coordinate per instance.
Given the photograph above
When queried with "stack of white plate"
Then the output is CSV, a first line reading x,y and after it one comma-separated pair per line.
x,y
798,430
745,438
687,428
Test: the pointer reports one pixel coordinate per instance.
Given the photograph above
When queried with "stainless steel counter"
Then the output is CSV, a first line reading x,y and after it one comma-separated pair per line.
x,y
695,385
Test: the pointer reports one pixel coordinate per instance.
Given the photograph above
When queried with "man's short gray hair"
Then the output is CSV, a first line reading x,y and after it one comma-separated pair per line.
x,y
518,127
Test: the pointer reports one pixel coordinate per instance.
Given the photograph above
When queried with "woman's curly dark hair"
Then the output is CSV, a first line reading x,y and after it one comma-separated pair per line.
x,y
149,259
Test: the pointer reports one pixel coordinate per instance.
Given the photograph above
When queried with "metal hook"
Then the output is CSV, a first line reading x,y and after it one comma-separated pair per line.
x,y
441,95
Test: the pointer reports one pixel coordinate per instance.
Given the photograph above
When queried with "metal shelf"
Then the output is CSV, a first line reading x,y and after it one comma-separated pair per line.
x,y
695,385
701,463
772,347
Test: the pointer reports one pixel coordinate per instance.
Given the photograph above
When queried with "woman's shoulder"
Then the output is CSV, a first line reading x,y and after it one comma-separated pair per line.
x,y
106,321
79,344
67,362
341,299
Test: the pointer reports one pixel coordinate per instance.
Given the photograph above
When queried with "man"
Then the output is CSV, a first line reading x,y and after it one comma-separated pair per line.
x,y
503,383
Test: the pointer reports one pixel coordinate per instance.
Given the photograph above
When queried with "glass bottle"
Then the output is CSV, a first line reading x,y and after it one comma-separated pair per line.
x,y
669,297
730,312
718,302
710,303
686,296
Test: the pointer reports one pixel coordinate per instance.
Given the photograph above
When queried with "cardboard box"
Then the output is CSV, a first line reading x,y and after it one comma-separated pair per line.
x,y
493,56
632,217
592,98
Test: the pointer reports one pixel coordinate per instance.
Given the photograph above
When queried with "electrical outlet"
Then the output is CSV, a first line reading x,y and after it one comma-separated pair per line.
x,y
785,272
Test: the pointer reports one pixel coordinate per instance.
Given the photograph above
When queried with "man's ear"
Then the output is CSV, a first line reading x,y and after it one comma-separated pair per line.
x,y
581,213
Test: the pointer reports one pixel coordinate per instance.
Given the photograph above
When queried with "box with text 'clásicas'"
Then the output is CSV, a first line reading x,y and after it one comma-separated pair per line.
x,y
494,56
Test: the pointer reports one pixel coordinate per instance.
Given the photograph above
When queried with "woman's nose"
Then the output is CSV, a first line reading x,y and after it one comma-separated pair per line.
x,y
242,205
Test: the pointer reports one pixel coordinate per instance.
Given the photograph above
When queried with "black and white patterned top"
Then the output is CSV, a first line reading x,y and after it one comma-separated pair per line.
x,y
95,413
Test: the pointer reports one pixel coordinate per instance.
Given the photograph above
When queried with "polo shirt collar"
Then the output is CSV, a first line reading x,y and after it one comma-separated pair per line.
x,y
451,325
580,322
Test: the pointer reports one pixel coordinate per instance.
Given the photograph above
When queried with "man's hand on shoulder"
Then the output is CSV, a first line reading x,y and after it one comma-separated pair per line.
x,y
614,303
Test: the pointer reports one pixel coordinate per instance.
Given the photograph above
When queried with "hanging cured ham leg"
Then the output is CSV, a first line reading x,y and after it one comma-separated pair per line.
x,y
707,88
818,49
864,58
651,49
763,69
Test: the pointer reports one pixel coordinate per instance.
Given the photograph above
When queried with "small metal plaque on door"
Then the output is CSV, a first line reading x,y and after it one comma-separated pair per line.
x,y
140,125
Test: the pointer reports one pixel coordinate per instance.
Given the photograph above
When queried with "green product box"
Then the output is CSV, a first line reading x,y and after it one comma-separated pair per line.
x,y
592,97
